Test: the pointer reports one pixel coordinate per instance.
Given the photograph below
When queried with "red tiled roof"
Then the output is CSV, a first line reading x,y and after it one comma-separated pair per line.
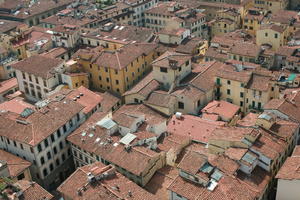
x,y
87,98
194,127
15,164
33,191
16,105
7,85
38,65
222,108
114,187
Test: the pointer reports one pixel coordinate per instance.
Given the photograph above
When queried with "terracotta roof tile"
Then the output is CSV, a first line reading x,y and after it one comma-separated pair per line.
x,y
221,108
115,187
196,128
40,124
15,164
144,87
33,191
38,65
7,85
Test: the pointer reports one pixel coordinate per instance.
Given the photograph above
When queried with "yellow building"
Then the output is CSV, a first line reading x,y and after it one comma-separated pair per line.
x,y
118,70
272,35
226,21
253,20
172,15
248,89
271,5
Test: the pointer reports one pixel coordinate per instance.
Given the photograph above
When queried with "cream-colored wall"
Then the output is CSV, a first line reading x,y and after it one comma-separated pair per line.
x,y
261,38
288,189
168,78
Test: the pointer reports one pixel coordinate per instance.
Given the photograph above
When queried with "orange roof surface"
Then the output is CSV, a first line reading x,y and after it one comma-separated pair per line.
x,y
16,105
88,99
222,108
8,84
290,169
194,127
15,164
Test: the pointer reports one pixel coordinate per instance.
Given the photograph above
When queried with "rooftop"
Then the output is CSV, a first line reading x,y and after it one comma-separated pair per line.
x,y
15,164
39,123
38,65
221,108
290,169
196,128
7,85
111,185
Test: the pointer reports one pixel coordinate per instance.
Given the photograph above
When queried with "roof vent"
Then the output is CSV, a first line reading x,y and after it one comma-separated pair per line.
x,y
91,178
178,115
81,94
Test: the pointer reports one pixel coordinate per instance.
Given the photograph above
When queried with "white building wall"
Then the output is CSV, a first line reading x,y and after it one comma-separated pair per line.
x,y
288,190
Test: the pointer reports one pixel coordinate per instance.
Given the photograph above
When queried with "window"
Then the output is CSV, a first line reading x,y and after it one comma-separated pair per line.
x,y
117,82
107,80
198,103
228,82
30,79
51,167
58,133
42,160
52,138
259,105
180,105
266,34
15,144
61,146
253,104
275,35
91,66
39,148
65,128
46,143
8,141
100,78
63,157
187,63
272,88
36,80
49,155
45,83
21,145
164,70
241,94
242,84
241,103
24,77
228,91
78,116
45,172
54,150
57,162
